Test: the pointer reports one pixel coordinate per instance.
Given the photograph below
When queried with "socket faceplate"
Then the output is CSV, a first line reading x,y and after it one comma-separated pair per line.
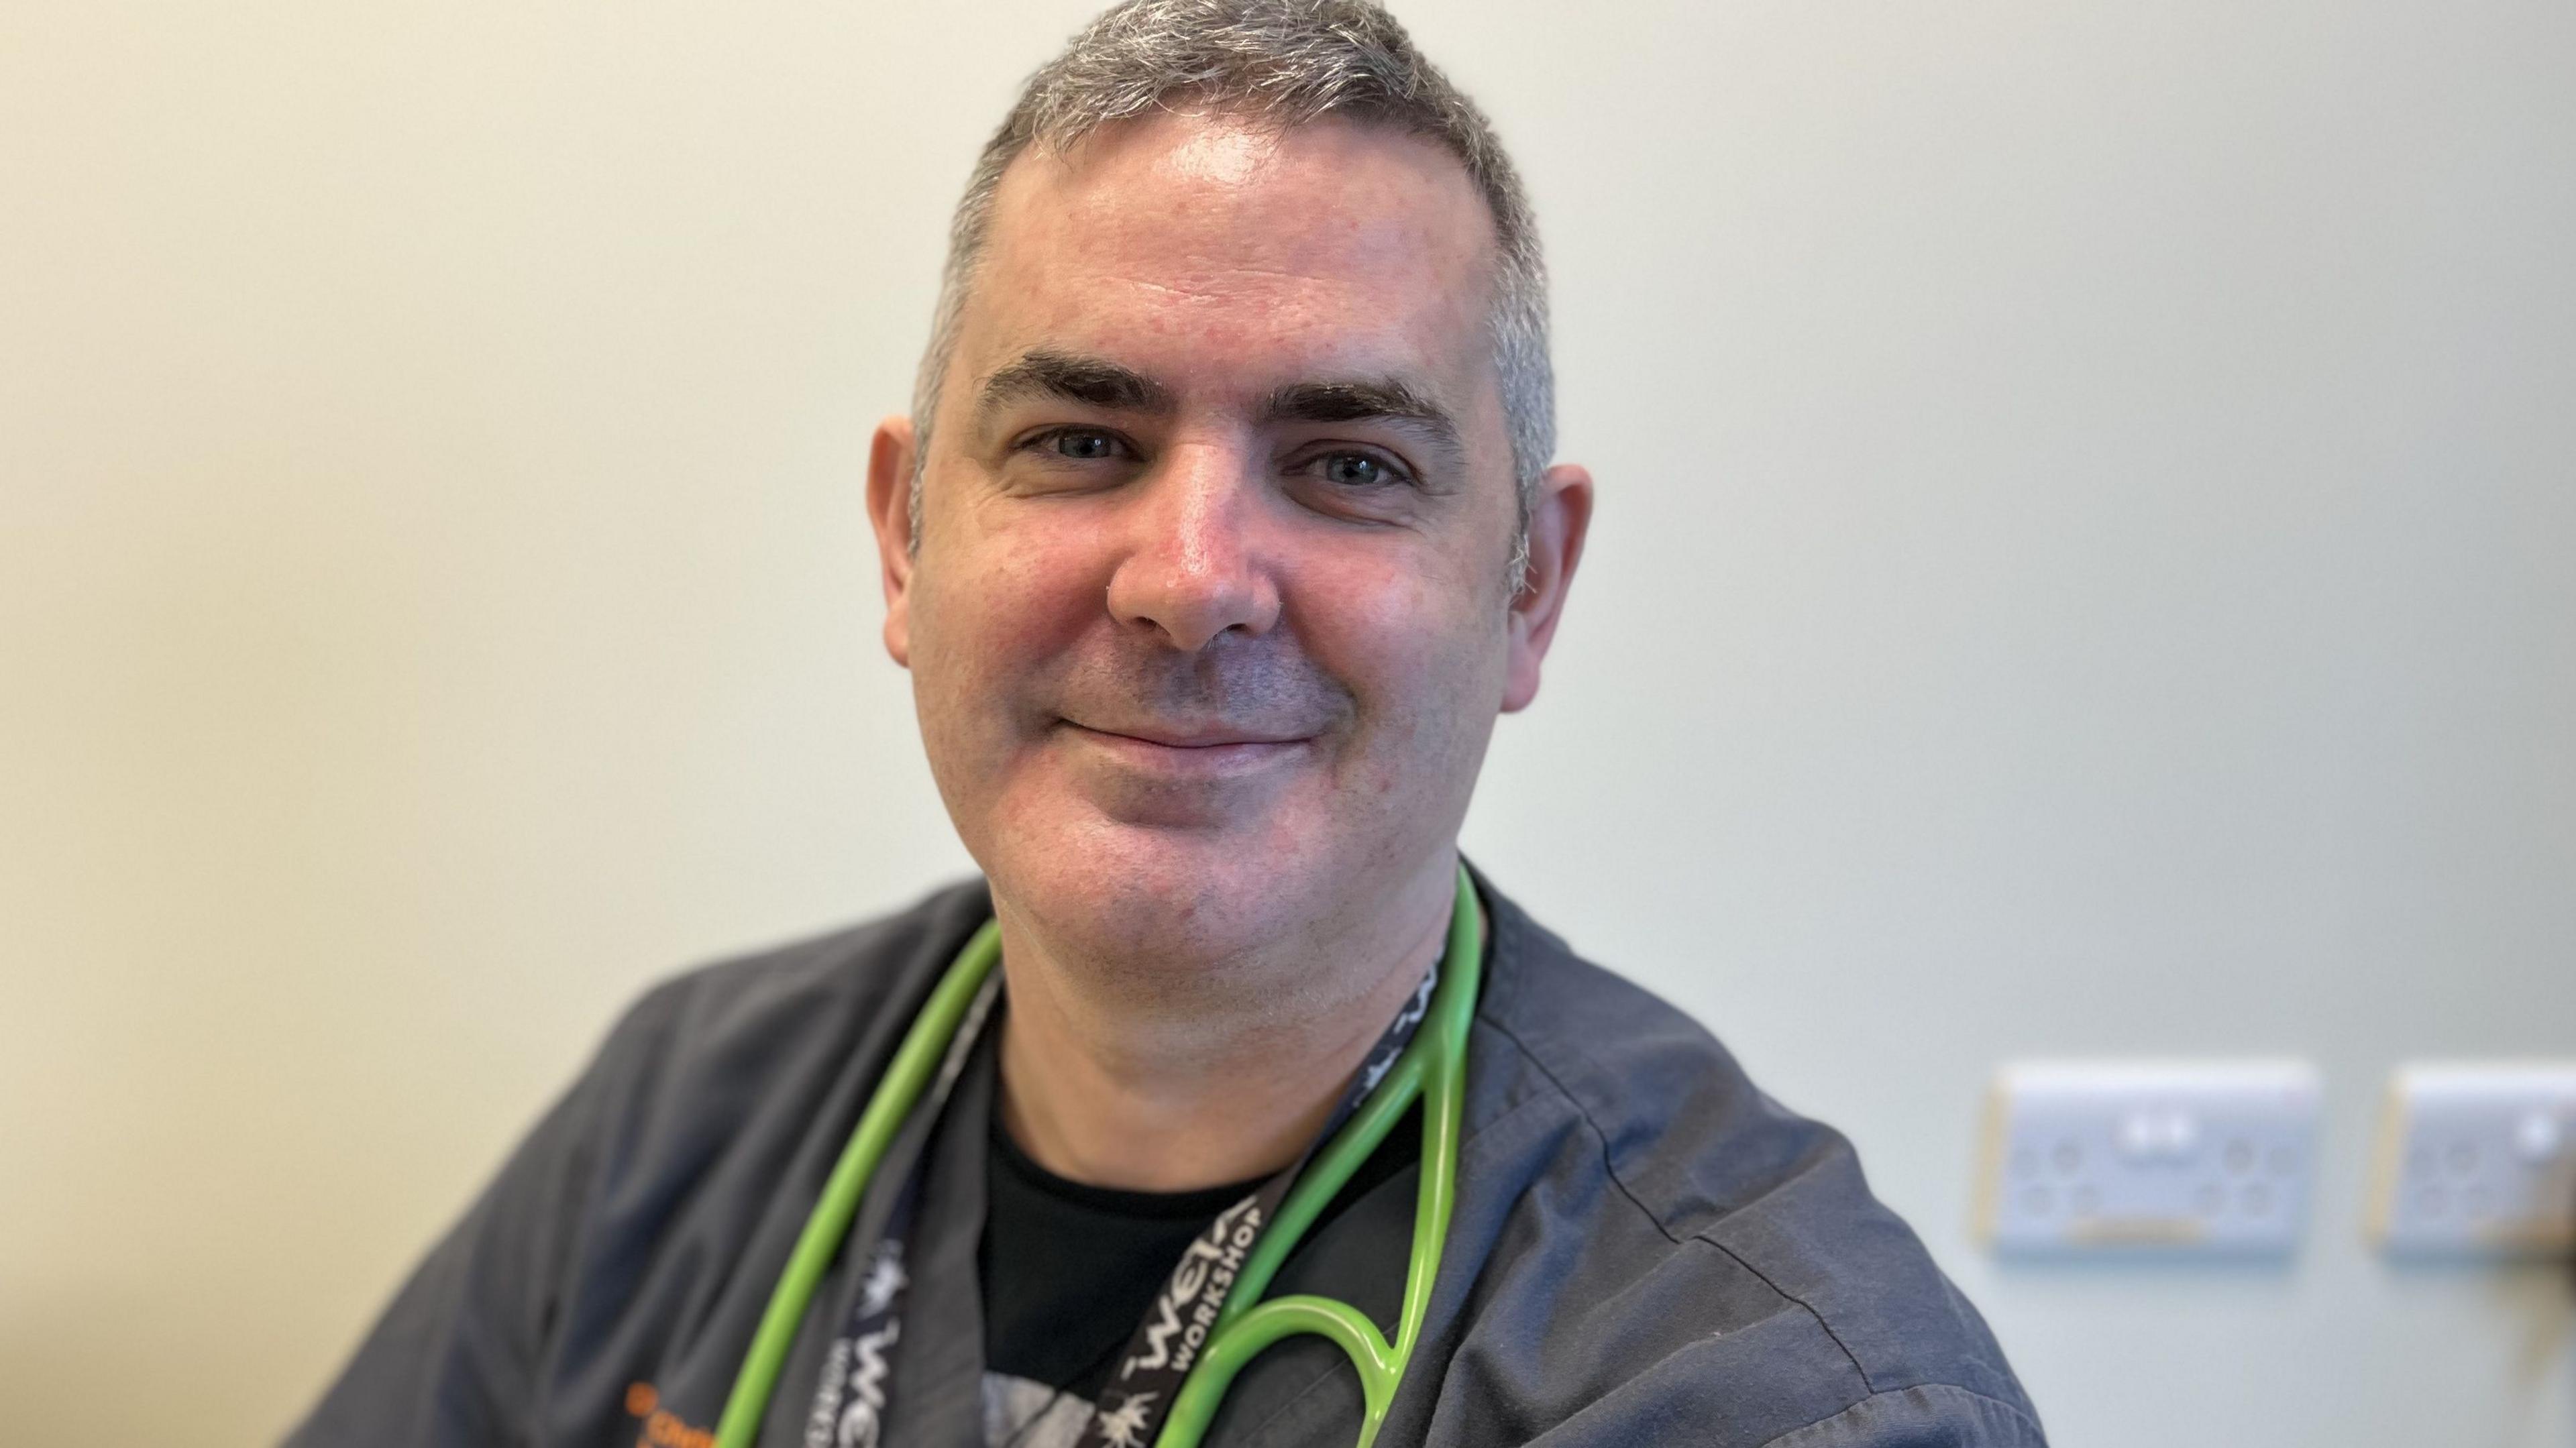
x,y
2477,1159
2149,1157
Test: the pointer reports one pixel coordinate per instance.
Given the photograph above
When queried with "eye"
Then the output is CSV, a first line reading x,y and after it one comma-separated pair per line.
x,y
1357,470
1080,444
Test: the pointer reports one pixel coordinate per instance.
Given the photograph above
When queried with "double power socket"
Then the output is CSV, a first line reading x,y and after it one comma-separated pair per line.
x,y
2219,1157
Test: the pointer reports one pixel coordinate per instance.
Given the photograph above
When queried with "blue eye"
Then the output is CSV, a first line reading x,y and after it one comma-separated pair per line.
x,y
1356,470
1083,446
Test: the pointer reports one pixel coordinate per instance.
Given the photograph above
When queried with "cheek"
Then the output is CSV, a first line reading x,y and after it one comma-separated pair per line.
x,y
988,615
1425,660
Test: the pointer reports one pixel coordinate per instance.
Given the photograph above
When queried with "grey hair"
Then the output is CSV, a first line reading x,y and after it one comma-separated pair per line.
x,y
1282,63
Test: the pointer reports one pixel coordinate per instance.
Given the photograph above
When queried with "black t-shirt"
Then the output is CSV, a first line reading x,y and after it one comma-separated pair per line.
x,y
1069,1270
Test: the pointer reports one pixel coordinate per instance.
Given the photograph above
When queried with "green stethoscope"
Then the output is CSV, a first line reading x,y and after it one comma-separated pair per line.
x,y
1433,1067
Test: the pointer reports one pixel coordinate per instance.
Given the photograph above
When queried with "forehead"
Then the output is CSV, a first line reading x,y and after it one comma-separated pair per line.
x,y
1217,254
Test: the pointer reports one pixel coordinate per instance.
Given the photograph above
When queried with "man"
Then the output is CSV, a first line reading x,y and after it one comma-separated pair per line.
x,y
1222,530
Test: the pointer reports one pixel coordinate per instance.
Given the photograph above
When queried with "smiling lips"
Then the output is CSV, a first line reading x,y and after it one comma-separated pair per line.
x,y
1192,753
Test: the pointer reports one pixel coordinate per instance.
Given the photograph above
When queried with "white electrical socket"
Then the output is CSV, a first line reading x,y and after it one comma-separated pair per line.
x,y
2477,1160
2148,1157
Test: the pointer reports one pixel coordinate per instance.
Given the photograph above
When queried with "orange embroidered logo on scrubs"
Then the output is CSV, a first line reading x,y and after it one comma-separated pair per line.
x,y
662,1427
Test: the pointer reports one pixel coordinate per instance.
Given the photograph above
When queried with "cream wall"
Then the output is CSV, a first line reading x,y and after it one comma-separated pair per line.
x,y
2087,564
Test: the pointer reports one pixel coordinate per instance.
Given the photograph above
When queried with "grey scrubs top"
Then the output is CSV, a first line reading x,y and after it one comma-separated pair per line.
x,y
1646,1249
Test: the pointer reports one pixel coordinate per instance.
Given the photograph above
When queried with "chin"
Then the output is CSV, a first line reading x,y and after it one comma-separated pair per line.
x,y
1129,892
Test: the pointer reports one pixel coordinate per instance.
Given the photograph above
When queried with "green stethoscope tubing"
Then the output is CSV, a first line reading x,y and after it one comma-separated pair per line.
x,y
1433,1067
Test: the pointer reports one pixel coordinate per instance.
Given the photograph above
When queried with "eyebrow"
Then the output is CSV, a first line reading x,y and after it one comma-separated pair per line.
x,y
1089,381
1372,399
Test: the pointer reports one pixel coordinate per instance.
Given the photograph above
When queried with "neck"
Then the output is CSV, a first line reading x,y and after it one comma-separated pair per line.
x,y
1175,1075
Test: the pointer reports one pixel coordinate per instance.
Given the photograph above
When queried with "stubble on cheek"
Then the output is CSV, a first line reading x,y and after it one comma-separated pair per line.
x,y
966,655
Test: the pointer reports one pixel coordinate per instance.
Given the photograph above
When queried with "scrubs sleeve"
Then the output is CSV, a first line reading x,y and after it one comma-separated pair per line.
x,y
1932,1415
456,1358
1687,1398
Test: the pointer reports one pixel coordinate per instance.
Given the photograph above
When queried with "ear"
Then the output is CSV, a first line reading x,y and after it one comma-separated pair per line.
x,y
890,464
1559,517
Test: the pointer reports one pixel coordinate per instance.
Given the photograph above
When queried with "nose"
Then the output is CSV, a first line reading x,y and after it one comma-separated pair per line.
x,y
1192,571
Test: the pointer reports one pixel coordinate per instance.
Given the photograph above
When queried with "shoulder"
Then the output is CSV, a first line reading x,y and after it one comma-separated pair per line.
x,y
736,1013
738,1067
715,1098
1673,1181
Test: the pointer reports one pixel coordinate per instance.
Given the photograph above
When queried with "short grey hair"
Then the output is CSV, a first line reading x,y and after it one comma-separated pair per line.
x,y
1281,63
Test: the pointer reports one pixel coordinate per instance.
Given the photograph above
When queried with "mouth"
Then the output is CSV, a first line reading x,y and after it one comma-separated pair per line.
x,y
1191,753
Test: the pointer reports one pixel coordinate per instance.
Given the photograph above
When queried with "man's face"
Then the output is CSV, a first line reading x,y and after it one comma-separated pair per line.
x,y
1208,619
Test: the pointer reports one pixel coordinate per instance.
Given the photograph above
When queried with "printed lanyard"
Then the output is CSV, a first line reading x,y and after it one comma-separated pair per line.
x,y
850,1401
